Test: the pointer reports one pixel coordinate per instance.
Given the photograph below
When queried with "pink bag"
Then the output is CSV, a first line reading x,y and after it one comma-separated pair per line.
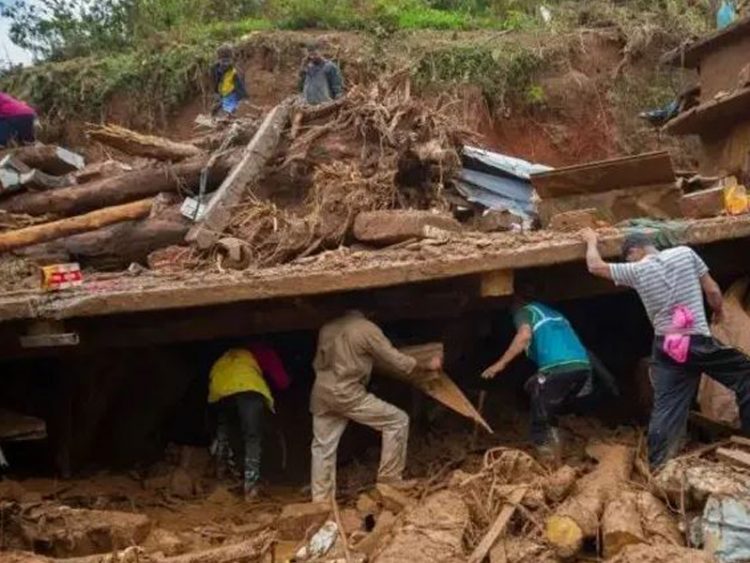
x,y
677,343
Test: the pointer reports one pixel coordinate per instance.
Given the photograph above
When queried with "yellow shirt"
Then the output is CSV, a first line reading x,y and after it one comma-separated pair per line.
x,y
235,372
226,86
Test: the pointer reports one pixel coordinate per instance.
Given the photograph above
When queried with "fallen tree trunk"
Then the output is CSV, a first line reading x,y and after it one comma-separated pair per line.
x,y
49,159
257,154
137,144
577,518
118,189
72,225
621,524
111,248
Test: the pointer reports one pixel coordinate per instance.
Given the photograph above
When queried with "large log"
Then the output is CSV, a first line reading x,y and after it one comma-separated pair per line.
x,y
118,189
257,154
577,519
137,144
49,159
621,524
73,225
111,248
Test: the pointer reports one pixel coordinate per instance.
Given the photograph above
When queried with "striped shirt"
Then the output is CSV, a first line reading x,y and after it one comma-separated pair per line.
x,y
664,281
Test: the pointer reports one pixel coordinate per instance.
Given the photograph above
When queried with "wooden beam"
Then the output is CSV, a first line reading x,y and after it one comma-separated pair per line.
x,y
257,154
297,280
605,175
735,457
72,225
497,283
498,527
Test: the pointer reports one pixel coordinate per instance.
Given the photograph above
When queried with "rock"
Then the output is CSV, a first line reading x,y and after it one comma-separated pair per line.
x,y
494,220
165,542
366,505
699,479
392,499
431,531
573,221
386,227
703,204
181,484
296,519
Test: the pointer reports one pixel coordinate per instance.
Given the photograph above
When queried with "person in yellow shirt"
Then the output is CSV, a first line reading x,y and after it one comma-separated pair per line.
x,y
239,391
229,81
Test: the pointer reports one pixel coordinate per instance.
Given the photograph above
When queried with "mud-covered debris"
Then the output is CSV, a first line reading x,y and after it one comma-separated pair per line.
x,y
366,505
61,531
297,519
431,532
392,499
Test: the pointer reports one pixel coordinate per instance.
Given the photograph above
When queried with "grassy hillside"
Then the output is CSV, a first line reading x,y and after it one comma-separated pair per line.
x,y
504,49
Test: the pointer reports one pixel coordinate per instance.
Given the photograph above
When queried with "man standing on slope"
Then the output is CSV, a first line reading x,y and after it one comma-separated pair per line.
x,y
671,284
348,349
563,363
320,78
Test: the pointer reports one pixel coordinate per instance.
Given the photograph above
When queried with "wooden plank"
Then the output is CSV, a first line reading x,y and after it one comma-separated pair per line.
x,y
498,527
712,116
656,202
497,283
605,175
298,281
735,457
72,225
257,154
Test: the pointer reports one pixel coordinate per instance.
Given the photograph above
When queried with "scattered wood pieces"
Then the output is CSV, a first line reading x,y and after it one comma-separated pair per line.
x,y
138,144
498,527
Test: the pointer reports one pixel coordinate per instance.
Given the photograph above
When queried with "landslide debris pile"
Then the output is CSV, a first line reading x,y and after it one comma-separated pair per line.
x,y
378,148
503,506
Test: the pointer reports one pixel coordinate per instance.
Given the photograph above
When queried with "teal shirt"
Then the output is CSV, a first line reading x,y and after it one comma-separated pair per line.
x,y
555,346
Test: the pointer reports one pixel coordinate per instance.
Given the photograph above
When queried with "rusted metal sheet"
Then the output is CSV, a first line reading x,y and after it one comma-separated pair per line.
x,y
606,175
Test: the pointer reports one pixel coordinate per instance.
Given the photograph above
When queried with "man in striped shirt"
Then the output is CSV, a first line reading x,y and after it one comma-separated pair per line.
x,y
671,283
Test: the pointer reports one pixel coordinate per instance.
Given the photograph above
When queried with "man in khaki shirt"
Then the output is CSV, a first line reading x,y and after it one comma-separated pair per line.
x,y
348,348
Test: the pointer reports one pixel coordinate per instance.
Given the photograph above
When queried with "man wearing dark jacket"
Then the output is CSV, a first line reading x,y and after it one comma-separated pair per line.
x,y
320,78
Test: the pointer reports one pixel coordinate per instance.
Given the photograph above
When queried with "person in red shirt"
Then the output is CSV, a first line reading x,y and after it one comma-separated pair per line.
x,y
16,121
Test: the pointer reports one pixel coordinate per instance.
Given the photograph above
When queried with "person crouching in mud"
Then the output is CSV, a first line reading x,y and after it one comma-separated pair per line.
x,y
563,364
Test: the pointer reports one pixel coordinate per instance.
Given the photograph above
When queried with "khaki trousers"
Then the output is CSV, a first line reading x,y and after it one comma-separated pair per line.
x,y
391,421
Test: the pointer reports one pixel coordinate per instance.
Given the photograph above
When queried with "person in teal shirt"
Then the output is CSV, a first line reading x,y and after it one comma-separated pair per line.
x,y
564,367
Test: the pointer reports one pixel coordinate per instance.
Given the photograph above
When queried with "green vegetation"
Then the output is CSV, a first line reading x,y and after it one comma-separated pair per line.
x,y
154,53
503,73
